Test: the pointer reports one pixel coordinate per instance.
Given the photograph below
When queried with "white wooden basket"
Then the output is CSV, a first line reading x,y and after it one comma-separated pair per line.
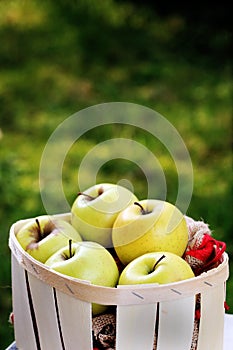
x,y
53,311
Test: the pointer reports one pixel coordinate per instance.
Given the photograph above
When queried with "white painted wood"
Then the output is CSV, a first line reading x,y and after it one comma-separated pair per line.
x,y
76,322
228,332
135,327
44,306
22,316
176,321
212,319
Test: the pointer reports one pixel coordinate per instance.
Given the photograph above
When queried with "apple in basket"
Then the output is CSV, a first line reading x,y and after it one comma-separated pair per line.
x,y
156,267
147,226
87,261
43,236
95,210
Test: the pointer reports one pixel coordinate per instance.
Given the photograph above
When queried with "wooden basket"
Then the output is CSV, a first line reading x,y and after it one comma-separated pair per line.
x,y
53,311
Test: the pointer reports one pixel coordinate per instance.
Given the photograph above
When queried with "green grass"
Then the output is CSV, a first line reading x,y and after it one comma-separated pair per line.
x,y
58,57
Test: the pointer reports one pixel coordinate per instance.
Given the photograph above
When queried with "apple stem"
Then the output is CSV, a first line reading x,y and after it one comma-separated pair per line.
x,y
70,248
141,207
86,195
39,229
100,191
158,261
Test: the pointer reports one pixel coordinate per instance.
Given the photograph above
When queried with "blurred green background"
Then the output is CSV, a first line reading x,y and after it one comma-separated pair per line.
x,y
58,57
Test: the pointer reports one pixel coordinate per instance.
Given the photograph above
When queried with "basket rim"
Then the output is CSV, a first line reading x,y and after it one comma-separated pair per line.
x,y
121,295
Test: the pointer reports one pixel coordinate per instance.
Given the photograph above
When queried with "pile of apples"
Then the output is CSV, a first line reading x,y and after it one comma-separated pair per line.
x,y
112,238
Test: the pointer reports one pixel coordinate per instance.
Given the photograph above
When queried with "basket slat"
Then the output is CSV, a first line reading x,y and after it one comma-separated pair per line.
x,y
24,340
176,322
212,319
136,327
45,312
76,320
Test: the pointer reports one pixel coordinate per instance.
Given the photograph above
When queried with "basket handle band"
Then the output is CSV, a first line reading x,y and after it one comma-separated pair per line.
x,y
122,295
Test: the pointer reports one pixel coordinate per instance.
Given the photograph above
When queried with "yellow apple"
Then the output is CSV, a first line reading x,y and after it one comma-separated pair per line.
x,y
148,226
88,261
95,210
43,236
157,267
